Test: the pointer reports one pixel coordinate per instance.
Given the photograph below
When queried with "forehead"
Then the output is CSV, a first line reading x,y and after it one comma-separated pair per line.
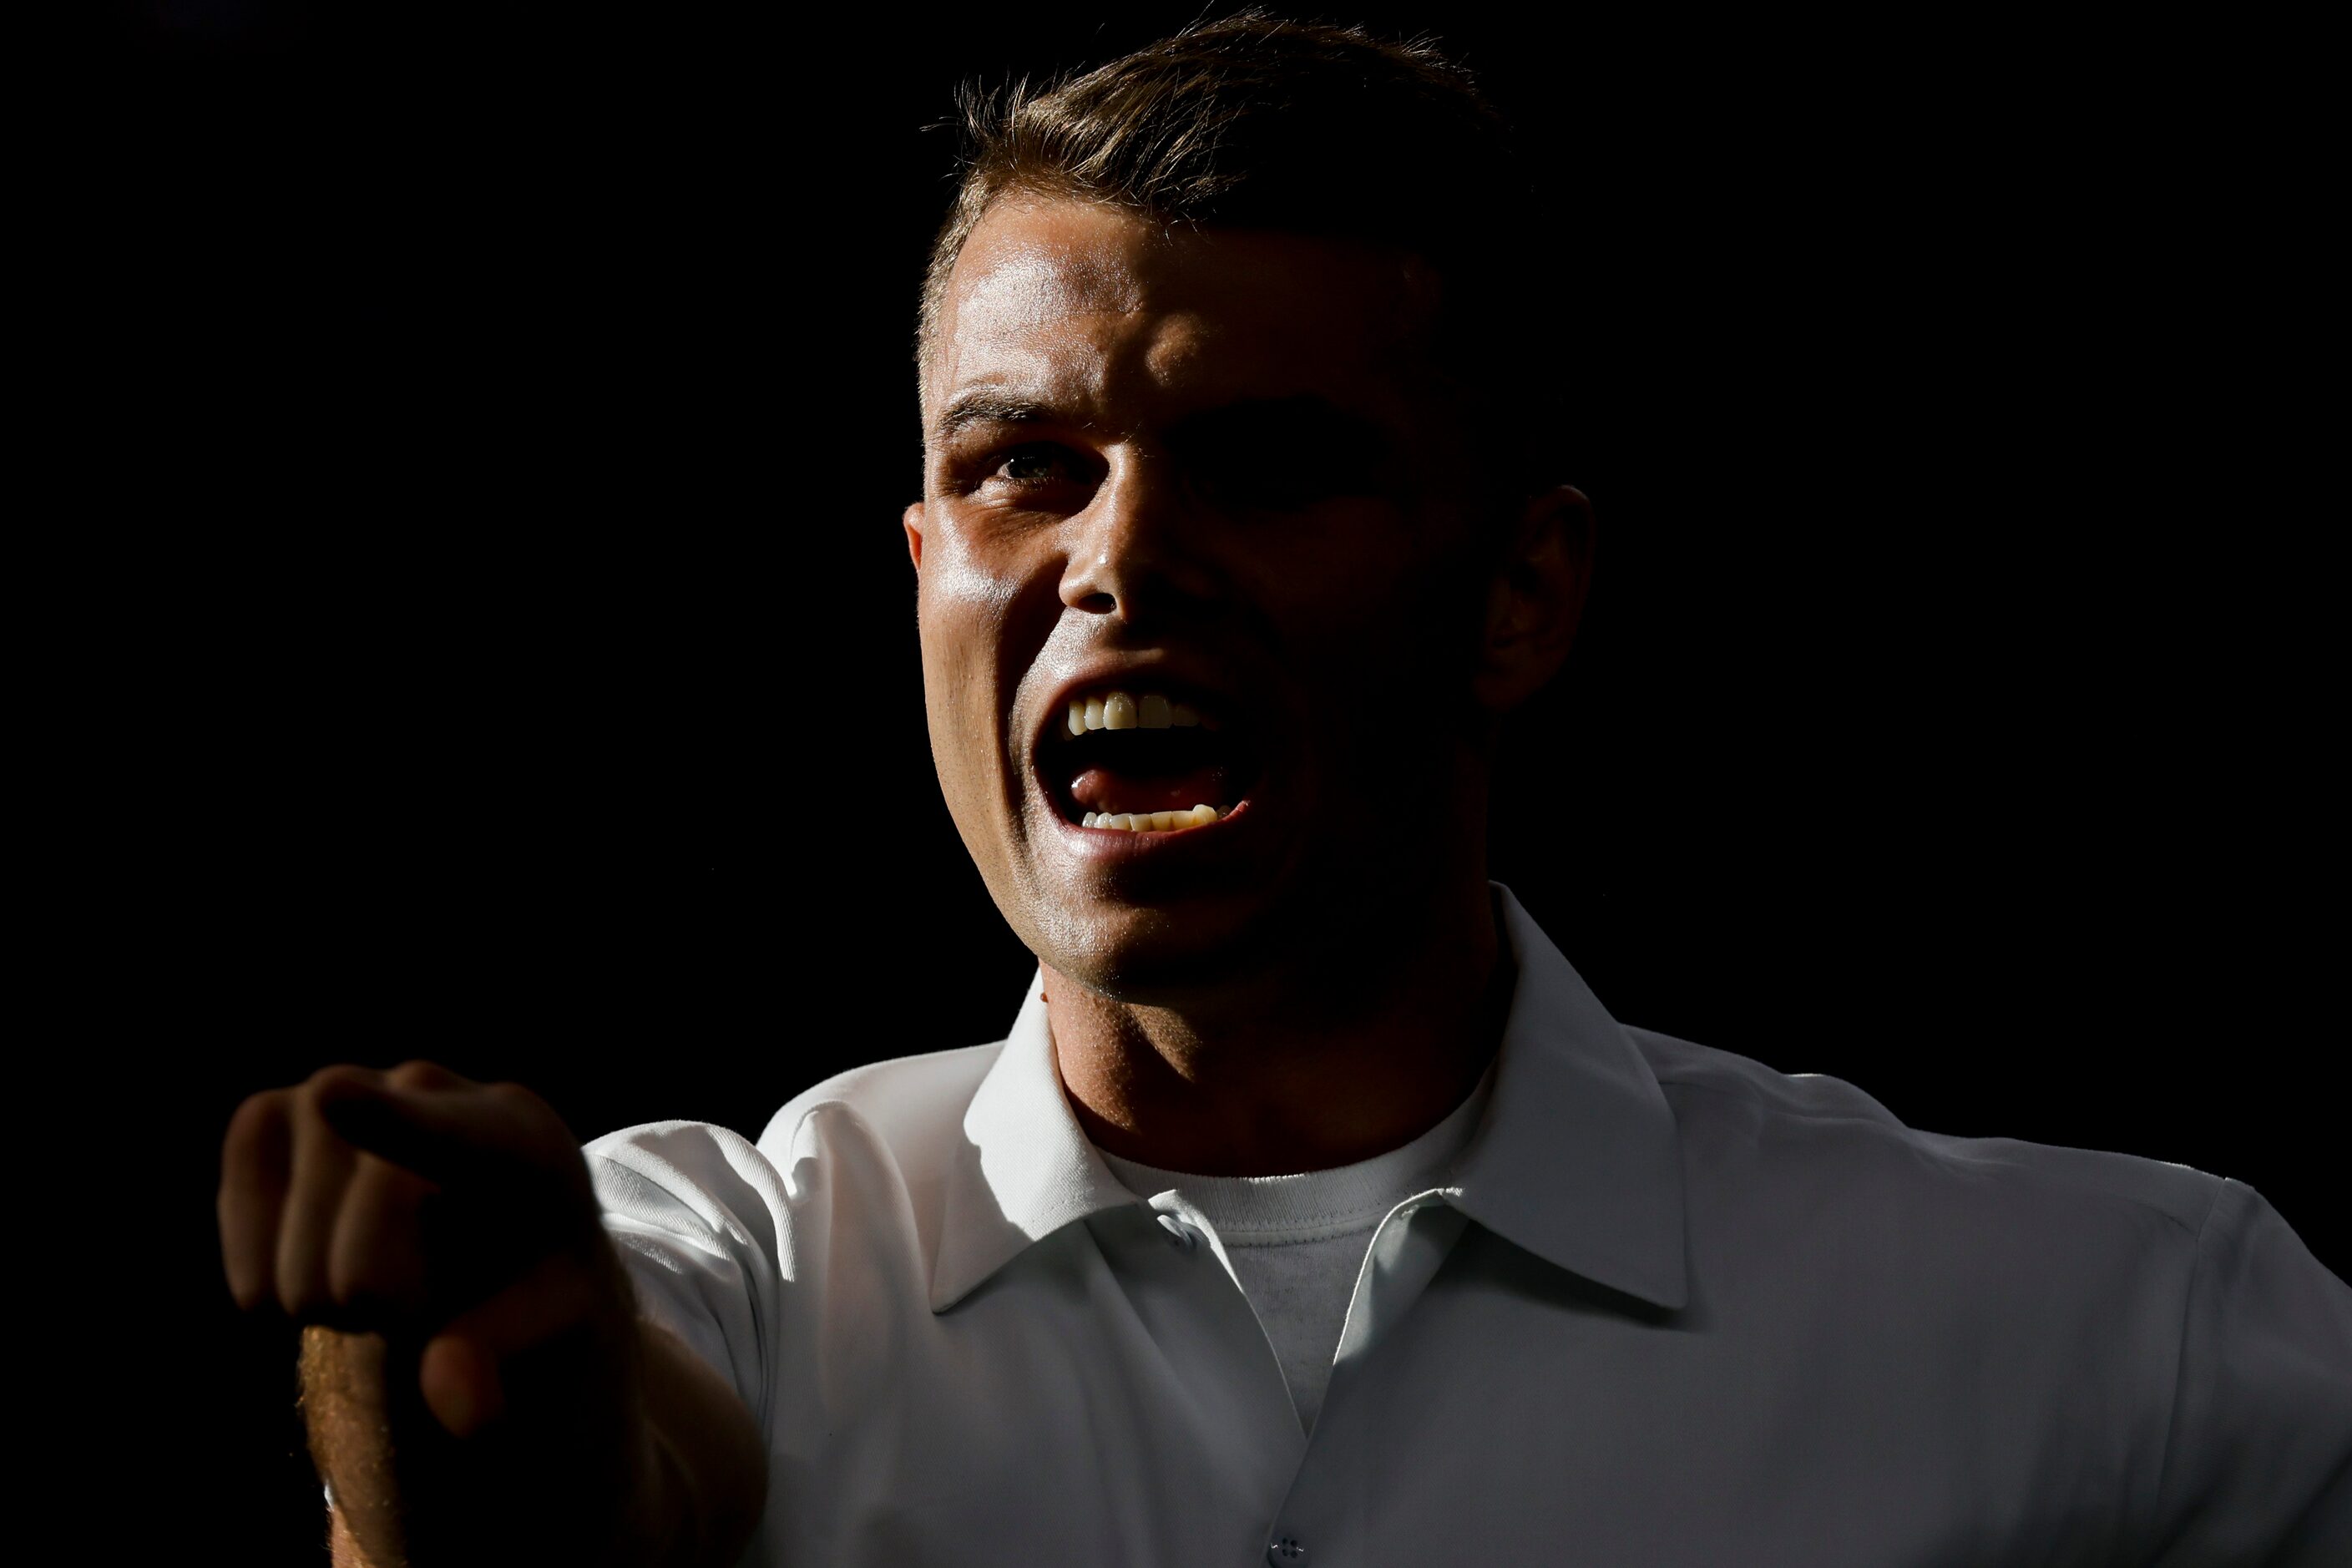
x,y
1097,310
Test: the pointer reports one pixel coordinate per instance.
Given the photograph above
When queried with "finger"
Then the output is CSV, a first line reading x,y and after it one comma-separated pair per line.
x,y
416,1074
376,1267
314,1200
256,1160
459,1369
452,1136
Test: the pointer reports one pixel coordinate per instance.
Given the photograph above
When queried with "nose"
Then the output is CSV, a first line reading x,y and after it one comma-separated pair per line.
x,y
1138,552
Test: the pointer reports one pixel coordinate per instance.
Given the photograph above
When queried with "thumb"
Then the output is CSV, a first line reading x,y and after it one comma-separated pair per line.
x,y
475,1133
460,1373
460,1384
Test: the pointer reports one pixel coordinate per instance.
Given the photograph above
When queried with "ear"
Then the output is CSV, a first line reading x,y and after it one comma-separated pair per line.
x,y
1537,597
911,520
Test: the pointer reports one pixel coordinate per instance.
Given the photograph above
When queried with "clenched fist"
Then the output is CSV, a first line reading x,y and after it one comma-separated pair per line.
x,y
419,1205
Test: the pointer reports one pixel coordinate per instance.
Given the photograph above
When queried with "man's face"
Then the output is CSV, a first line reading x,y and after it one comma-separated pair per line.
x,y
1211,471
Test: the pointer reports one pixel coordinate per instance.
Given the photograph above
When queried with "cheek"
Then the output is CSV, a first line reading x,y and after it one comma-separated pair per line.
x,y
966,607
960,609
967,577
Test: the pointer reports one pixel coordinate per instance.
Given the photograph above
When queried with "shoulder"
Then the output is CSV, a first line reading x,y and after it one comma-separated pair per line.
x,y
892,1121
1793,1123
908,1110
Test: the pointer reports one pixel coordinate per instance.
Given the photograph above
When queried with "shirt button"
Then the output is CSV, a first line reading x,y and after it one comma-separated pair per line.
x,y
1180,1234
1288,1552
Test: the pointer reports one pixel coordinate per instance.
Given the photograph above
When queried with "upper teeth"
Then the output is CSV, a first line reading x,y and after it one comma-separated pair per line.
x,y
1124,711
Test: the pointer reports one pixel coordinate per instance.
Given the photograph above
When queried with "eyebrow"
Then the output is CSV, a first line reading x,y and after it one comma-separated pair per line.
x,y
983,406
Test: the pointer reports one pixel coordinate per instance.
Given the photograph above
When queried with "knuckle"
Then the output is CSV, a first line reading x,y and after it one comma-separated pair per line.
x,y
341,1072
418,1073
259,1115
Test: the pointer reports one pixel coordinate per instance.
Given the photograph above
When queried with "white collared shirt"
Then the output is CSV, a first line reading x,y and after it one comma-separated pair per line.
x,y
1297,1242
1673,1308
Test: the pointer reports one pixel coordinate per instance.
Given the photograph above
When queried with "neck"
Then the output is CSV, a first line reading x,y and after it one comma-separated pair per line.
x,y
1345,1060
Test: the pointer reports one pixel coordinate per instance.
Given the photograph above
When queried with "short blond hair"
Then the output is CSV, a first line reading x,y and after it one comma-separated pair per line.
x,y
1257,121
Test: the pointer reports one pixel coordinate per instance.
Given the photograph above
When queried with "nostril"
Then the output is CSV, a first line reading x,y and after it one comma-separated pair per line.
x,y
1098,603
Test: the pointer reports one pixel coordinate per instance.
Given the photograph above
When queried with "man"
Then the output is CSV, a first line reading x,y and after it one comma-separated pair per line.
x,y
1313,1211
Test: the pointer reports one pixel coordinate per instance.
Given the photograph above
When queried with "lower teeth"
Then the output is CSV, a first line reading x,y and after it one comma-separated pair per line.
x,y
1153,821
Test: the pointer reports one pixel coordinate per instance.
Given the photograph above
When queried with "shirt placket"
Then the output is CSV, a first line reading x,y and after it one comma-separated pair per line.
x,y
1191,1234
1181,1285
1320,1520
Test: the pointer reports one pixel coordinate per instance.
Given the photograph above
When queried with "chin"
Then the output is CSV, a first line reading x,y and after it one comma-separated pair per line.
x,y
1159,955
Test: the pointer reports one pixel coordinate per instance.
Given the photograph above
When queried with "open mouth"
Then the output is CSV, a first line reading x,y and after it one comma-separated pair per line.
x,y
1140,760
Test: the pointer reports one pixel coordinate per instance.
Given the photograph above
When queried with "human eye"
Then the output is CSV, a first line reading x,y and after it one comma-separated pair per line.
x,y
1037,463
1036,474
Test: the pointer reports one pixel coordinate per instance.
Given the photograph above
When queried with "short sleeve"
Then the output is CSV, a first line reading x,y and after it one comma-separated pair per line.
x,y
694,1211
2258,1465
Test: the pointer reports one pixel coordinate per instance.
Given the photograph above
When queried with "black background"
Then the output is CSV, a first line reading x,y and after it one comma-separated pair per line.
x,y
508,644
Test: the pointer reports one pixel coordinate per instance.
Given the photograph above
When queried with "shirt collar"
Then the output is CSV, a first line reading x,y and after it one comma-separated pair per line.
x,y
1026,1168
1577,1159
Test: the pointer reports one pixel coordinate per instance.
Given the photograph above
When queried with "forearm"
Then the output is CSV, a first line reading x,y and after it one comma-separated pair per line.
x,y
565,1474
675,1475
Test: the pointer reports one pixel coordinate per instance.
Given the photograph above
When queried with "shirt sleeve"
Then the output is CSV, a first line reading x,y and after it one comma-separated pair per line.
x,y
694,1211
2258,1466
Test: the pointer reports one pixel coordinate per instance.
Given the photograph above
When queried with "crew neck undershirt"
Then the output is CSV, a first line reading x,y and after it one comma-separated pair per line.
x,y
1297,1242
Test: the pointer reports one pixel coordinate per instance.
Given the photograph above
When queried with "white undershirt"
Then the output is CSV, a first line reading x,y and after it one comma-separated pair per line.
x,y
1297,1242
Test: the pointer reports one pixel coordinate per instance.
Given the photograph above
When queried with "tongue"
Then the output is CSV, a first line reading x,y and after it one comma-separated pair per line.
x,y
1099,789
